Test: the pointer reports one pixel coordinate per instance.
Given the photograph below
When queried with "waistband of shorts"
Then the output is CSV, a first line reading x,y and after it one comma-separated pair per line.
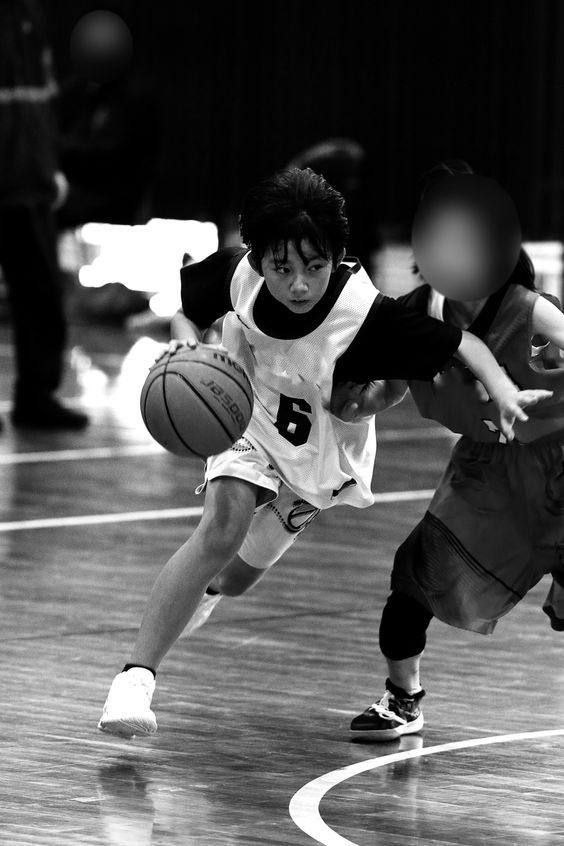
x,y
547,442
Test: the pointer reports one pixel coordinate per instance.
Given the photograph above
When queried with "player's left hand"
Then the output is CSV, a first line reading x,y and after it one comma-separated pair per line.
x,y
354,402
511,408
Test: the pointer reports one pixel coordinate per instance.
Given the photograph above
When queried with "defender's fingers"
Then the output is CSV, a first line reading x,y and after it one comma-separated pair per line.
x,y
507,429
533,397
530,397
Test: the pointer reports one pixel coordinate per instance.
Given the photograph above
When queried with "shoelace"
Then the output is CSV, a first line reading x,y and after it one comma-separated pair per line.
x,y
382,709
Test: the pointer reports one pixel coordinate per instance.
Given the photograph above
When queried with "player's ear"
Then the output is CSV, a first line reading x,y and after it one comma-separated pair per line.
x,y
339,258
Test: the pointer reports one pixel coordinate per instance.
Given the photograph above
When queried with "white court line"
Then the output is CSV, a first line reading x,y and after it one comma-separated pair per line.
x,y
132,450
81,454
403,496
432,433
97,519
304,805
164,514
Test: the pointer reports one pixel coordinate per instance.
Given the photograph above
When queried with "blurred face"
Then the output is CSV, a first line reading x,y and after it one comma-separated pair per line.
x,y
466,237
101,46
297,284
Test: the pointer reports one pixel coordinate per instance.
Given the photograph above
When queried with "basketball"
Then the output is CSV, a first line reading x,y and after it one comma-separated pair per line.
x,y
196,401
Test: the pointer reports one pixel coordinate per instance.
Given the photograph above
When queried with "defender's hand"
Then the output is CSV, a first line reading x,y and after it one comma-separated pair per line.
x,y
512,405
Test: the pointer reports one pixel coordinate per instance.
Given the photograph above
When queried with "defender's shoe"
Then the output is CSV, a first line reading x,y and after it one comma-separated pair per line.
x,y
127,710
397,713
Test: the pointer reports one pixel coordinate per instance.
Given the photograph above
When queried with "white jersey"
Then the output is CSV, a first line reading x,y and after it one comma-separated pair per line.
x,y
324,460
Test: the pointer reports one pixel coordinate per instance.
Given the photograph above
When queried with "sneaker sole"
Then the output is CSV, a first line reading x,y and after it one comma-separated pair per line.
x,y
381,735
124,728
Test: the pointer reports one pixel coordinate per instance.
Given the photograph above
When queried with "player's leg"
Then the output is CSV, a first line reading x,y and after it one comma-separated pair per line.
x,y
228,511
274,528
403,630
237,578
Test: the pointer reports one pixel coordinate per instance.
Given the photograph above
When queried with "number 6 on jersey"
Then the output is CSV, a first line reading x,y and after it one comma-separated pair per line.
x,y
291,421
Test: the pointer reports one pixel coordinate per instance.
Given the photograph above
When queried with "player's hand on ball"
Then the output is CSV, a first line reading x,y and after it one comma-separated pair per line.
x,y
511,408
176,344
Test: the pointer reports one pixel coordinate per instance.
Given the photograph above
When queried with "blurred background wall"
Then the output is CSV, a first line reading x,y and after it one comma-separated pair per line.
x,y
242,86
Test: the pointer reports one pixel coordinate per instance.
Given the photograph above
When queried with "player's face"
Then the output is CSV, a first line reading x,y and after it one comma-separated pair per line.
x,y
466,238
296,283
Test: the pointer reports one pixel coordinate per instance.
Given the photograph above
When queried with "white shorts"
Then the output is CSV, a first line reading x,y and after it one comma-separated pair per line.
x,y
280,516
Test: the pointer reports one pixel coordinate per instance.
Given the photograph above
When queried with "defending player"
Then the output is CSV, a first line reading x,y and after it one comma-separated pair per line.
x,y
495,524
298,316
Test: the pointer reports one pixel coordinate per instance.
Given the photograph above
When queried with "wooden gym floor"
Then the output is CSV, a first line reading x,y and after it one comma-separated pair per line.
x,y
253,745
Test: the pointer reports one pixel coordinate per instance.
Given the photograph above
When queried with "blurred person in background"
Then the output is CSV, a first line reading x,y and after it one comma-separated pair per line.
x,y
109,127
344,164
31,188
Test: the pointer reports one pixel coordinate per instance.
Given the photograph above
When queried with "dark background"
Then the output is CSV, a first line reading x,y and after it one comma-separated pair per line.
x,y
240,87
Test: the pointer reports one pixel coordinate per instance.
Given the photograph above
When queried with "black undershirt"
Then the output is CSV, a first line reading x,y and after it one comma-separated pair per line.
x,y
394,342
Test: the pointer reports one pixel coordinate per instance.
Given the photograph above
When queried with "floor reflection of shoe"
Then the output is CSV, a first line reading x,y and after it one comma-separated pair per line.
x,y
126,807
127,710
47,413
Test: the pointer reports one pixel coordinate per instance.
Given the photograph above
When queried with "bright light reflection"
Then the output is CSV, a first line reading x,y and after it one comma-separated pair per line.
x,y
143,258
130,380
547,258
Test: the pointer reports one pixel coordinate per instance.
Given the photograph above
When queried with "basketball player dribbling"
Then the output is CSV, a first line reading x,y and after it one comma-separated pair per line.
x,y
299,316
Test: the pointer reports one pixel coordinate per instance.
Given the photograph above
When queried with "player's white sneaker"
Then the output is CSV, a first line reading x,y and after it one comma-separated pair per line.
x,y
202,612
127,710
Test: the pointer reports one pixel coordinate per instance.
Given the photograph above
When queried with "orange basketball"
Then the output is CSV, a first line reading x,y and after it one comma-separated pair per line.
x,y
196,401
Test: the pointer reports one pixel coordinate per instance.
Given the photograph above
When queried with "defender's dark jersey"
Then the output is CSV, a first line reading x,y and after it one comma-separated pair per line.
x,y
458,401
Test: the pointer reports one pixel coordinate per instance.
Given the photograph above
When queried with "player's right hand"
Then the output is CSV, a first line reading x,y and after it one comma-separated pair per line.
x,y
176,344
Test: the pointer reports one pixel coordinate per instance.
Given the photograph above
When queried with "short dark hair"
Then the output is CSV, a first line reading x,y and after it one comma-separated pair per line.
x,y
294,205
446,167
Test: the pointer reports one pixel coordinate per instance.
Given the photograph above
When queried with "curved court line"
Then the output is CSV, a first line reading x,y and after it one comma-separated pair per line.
x,y
304,805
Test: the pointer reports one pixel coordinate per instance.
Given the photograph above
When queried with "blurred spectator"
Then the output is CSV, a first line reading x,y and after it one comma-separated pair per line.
x,y
108,152
343,162
108,128
30,188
